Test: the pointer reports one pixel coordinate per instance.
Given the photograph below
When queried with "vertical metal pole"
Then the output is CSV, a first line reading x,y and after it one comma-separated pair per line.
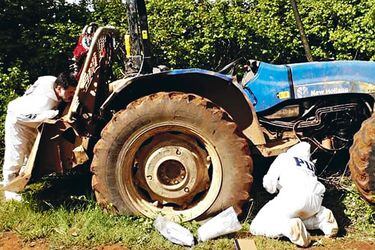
x,y
145,37
132,41
301,30
140,55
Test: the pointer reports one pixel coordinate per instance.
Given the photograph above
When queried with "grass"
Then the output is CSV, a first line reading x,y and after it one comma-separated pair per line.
x,y
65,215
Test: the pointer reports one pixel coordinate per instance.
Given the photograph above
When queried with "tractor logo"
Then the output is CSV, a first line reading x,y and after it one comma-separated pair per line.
x,y
301,92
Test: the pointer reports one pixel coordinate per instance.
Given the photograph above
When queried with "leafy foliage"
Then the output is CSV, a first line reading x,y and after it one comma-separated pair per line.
x,y
110,13
12,83
39,34
191,33
200,33
360,213
341,29
210,34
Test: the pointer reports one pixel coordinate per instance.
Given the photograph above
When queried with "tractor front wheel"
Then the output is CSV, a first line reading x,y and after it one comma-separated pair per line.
x,y
173,154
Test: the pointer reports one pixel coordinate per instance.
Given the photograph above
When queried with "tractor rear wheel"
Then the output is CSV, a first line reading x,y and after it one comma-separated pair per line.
x,y
174,154
362,159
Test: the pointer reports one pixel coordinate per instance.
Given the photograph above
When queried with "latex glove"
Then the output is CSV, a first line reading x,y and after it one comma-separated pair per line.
x,y
271,179
270,184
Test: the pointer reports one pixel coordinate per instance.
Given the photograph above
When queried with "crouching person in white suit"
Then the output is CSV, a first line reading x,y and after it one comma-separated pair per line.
x,y
298,205
39,103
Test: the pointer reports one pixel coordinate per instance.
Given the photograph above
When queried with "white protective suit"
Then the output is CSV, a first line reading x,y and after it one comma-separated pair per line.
x,y
298,205
24,114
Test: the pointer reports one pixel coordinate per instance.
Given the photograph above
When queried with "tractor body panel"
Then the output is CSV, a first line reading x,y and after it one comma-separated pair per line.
x,y
266,88
329,78
274,84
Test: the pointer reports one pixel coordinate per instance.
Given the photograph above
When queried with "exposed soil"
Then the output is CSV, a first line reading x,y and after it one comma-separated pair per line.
x,y
111,247
10,241
345,245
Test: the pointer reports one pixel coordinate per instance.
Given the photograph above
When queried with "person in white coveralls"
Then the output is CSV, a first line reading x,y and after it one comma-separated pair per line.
x,y
39,103
298,205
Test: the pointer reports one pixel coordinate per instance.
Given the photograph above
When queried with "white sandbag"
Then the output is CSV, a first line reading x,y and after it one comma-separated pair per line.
x,y
224,223
173,231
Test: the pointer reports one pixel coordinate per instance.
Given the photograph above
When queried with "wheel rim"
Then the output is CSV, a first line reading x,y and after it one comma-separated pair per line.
x,y
169,169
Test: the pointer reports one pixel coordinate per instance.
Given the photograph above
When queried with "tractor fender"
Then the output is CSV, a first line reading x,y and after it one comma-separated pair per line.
x,y
219,88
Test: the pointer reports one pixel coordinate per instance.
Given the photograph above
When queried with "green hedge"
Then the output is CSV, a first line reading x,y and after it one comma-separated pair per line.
x,y
190,33
12,83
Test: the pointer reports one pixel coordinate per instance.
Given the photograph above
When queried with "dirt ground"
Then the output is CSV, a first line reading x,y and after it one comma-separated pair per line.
x,y
344,245
353,245
10,241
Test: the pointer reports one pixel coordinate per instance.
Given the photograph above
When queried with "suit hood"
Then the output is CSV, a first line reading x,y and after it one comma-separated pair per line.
x,y
300,150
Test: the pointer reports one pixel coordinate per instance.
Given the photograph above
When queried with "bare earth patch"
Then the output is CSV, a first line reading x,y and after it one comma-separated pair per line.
x,y
111,247
10,241
345,245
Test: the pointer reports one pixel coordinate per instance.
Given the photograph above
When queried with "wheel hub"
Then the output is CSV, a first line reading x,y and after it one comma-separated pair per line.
x,y
173,169
171,173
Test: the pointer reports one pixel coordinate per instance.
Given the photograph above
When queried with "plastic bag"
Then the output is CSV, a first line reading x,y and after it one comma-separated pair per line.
x,y
224,223
174,232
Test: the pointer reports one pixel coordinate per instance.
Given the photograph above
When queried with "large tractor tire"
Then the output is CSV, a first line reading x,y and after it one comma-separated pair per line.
x,y
362,159
173,154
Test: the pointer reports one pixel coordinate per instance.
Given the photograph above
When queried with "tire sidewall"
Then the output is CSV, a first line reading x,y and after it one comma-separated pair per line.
x,y
208,122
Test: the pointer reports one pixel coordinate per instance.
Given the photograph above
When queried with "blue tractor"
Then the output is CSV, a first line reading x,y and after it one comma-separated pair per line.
x,y
180,142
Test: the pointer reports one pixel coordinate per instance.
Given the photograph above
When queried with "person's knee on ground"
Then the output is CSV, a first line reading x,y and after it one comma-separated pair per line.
x,y
265,222
323,220
296,231
328,224
266,228
270,220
